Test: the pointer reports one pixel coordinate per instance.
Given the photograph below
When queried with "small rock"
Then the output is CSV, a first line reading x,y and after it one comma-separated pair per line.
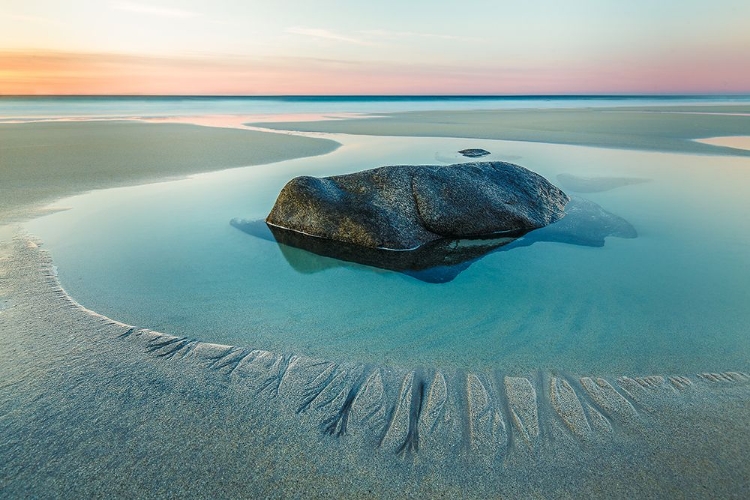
x,y
474,153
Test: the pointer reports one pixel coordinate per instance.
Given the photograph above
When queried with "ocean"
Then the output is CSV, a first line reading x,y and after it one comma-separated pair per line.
x,y
22,108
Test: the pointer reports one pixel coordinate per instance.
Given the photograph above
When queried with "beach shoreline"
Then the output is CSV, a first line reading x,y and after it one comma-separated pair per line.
x,y
30,177
656,128
42,162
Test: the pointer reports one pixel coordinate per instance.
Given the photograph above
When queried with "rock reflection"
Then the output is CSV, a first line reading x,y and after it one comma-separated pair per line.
x,y
436,262
441,261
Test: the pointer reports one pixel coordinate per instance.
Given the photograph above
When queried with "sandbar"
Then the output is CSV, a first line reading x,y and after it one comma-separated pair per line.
x,y
737,141
666,129
40,162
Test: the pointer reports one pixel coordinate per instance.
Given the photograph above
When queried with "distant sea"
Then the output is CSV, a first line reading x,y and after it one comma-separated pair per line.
x,y
20,108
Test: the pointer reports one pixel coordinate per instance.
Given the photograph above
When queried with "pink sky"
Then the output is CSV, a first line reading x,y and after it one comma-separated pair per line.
x,y
37,73
257,47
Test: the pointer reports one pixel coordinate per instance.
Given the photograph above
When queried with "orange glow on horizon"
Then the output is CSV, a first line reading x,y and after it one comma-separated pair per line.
x,y
68,73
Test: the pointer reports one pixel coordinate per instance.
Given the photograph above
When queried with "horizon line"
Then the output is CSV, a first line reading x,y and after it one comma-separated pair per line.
x,y
419,96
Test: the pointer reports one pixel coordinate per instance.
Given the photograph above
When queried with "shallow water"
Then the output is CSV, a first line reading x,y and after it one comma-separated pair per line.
x,y
673,300
55,107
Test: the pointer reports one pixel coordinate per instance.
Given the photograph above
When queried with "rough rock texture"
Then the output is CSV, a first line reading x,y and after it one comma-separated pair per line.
x,y
442,260
405,207
474,153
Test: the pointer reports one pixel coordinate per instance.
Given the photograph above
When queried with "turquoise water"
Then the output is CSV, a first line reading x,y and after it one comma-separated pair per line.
x,y
32,108
673,300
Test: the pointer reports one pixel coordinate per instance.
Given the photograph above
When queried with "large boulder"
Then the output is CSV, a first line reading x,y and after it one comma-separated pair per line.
x,y
440,261
405,207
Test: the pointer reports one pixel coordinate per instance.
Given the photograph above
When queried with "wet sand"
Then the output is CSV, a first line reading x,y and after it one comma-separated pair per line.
x,y
93,408
40,162
669,129
737,142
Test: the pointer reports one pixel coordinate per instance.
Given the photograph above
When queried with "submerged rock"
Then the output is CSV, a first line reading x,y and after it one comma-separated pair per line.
x,y
406,207
586,224
596,184
474,153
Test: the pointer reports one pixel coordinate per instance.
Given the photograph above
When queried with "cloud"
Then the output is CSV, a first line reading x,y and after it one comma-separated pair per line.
x,y
323,33
153,10
407,34
369,37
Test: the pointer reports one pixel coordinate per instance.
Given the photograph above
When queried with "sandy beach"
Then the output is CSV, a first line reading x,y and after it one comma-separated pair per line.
x,y
669,129
91,407
475,250
44,161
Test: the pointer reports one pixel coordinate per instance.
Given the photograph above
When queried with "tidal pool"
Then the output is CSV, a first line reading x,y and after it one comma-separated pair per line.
x,y
672,300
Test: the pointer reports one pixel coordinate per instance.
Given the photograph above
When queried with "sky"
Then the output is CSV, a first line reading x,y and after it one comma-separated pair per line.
x,y
404,47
